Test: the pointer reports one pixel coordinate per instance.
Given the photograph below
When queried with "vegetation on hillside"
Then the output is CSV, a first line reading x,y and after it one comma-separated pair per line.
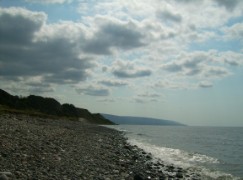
x,y
37,105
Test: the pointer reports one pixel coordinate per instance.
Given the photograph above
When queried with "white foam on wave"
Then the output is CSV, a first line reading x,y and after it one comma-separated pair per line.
x,y
174,156
183,159
212,175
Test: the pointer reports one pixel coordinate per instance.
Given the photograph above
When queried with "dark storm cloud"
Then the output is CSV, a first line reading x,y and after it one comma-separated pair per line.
x,y
55,58
112,35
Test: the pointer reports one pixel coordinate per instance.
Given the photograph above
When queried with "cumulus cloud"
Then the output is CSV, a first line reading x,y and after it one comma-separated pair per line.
x,y
188,1
203,64
166,15
25,53
216,72
232,62
129,70
140,100
93,91
131,74
172,67
234,32
205,84
188,68
172,84
18,26
33,85
106,100
206,13
152,39
149,95
228,4
190,64
114,35
113,83
232,58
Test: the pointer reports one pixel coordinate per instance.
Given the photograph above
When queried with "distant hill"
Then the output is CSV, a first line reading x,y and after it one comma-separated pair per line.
x,y
49,106
140,120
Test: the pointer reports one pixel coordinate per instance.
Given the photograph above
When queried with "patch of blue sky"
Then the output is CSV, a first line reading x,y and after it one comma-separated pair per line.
x,y
233,82
63,12
219,45
110,59
107,60
86,8
235,20
133,55
12,3
55,12
123,91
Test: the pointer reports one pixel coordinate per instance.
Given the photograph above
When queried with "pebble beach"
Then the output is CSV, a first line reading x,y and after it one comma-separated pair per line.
x,y
44,148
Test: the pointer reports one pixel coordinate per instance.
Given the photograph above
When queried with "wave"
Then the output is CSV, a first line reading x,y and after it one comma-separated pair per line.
x,y
190,161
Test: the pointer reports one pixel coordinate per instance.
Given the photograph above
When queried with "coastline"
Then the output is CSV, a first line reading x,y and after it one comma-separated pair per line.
x,y
42,148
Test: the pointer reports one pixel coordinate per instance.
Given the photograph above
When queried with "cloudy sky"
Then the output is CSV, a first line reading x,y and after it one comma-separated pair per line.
x,y
172,59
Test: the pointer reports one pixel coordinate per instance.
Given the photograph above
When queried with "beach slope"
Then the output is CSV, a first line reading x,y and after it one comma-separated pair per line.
x,y
43,148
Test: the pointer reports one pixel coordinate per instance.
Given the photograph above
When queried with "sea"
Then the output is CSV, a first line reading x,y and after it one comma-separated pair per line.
x,y
213,152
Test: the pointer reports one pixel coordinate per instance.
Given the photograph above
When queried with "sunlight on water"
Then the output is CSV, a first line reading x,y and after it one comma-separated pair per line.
x,y
174,156
183,159
213,152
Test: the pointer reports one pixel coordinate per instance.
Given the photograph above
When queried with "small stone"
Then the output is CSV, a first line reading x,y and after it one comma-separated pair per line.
x,y
150,167
148,156
116,171
138,177
4,154
162,177
135,157
124,175
179,175
3,177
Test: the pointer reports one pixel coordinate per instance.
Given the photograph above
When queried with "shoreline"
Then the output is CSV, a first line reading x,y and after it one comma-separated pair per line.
x,y
42,148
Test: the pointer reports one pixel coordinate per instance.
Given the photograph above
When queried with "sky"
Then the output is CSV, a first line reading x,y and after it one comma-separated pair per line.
x,y
170,59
